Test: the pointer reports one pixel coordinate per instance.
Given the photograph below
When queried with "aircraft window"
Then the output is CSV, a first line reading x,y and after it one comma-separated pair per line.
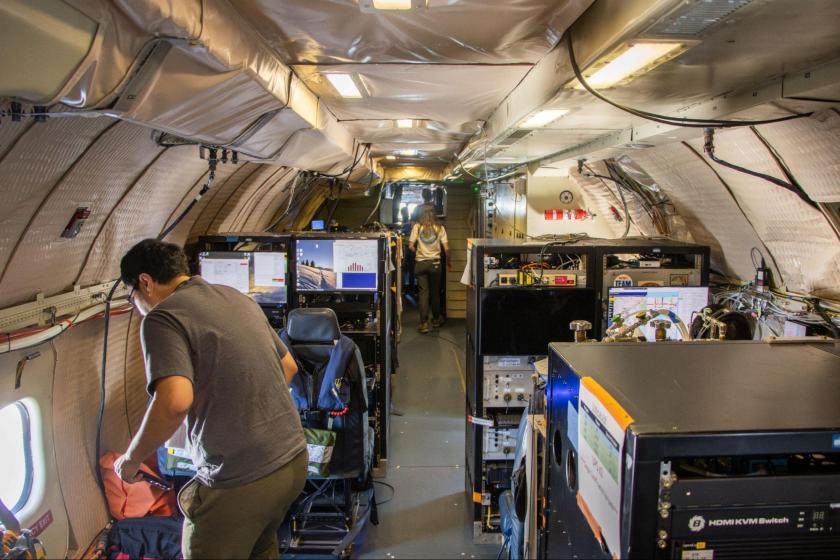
x,y
16,466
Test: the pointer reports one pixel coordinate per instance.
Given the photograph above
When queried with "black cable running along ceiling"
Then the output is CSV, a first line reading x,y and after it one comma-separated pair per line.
x,y
665,119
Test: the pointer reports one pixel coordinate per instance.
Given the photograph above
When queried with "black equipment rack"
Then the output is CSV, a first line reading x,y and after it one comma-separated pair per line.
x,y
372,315
731,449
499,345
684,261
502,319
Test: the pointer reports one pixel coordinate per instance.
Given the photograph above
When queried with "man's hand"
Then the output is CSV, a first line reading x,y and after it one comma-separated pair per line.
x,y
448,265
127,469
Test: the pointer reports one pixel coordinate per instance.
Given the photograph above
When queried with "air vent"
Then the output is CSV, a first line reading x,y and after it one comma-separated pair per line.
x,y
493,152
514,137
694,19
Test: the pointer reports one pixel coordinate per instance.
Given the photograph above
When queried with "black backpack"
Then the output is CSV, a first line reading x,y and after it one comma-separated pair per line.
x,y
145,537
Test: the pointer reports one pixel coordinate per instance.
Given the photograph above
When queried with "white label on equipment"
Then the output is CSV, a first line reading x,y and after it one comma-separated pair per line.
x,y
510,362
480,421
270,270
697,555
600,448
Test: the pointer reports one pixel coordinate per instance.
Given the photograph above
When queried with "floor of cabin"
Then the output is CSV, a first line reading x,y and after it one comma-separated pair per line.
x,y
429,515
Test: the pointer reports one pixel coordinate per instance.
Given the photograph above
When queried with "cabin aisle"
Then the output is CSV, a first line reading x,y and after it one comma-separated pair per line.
x,y
429,515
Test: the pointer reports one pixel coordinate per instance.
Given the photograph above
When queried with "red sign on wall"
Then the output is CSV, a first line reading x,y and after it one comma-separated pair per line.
x,y
41,525
561,214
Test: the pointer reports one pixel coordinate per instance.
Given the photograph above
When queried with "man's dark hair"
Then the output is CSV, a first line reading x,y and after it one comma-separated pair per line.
x,y
160,260
426,193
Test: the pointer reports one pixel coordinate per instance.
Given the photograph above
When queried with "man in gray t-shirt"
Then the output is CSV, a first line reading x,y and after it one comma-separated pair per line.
x,y
212,358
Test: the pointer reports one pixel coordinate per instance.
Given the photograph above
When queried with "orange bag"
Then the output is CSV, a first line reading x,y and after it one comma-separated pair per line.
x,y
134,500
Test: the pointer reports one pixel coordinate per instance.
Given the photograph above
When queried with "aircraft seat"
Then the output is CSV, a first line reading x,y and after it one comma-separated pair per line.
x,y
329,389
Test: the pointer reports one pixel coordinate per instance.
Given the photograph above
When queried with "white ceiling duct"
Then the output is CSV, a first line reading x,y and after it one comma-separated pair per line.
x,y
56,36
194,69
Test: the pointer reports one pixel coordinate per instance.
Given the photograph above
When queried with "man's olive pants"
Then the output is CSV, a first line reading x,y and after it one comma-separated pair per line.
x,y
240,522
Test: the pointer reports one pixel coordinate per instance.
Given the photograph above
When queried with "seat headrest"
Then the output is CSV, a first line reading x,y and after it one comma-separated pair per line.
x,y
313,325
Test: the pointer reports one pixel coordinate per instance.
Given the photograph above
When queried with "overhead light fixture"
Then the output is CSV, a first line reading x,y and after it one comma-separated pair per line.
x,y
391,157
391,5
630,61
409,153
345,85
405,123
542,118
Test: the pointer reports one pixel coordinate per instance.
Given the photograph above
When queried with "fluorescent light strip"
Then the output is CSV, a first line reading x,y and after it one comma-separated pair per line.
x,y
543,118
405,123
391,157
345,85
631,61
392,4
409,153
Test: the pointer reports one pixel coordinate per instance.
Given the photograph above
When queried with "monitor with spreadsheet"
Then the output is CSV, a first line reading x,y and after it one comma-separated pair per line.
x,y
261,275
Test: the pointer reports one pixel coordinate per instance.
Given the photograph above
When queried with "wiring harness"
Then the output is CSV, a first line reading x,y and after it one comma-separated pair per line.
x,y
772,308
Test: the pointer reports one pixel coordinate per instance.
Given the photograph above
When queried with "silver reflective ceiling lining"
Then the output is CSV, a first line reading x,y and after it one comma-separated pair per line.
x,y
696,18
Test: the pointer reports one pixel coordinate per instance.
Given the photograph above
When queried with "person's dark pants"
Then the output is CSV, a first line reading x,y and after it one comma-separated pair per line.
x,y
410,284
240,522
428,277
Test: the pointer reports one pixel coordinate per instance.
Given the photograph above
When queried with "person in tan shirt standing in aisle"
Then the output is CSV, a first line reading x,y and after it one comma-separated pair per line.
x,y
427,239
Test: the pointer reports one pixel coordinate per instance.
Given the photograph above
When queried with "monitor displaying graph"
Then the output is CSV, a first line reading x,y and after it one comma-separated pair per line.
x,y
683,302
326,265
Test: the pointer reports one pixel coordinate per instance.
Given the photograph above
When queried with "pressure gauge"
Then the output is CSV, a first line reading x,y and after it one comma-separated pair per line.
x,y
566,197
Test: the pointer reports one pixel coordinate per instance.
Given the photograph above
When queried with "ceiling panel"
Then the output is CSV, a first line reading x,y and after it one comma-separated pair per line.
x,y
448,31
424,132
541,143
442,152
451,94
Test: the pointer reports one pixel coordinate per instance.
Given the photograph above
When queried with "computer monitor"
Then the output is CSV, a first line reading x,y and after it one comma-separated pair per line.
x,y
330,265
684,302
261,275
317,225
226,268
269,277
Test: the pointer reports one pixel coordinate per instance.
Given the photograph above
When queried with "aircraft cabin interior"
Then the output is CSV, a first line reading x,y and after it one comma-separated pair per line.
x,y
521,279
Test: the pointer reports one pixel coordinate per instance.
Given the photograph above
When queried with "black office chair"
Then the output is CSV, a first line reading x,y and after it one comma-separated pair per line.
x,y
330,394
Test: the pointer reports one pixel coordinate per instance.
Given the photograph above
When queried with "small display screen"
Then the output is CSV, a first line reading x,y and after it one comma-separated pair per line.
x,y
317,225
327,265
260,275
683,302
